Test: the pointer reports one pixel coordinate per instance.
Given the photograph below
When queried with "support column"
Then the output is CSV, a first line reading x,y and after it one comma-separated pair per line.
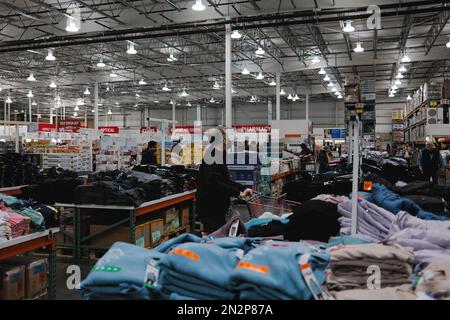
x,y
30,115
96,105
307,112
9,119
278,98
355,177
85,115
5,116
269,112
228,101
173,115
199,113
37,113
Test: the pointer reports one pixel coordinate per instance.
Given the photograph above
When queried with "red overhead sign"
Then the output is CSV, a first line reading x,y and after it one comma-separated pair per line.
x,y
109,129
146,129
46,127
69,125
253,128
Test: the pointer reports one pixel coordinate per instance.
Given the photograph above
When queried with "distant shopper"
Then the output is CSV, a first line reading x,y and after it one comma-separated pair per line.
x,y
415,156
430,161
388,148
149,154
322,160
305,156
407,154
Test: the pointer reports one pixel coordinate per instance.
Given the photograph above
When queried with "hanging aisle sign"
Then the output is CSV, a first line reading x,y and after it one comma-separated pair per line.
x,y
46,127
110,129
151,129
70,125
253,128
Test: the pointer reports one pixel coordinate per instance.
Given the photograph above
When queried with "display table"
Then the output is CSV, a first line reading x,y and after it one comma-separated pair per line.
x,y
78,243
31,242
447,174
283,175
12,191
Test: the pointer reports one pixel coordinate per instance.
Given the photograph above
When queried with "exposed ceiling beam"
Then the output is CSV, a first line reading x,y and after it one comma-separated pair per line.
x,y
94,9
436,29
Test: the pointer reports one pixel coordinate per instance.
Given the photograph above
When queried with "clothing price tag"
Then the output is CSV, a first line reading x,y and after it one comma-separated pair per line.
x,y
151,274
316,289
234,229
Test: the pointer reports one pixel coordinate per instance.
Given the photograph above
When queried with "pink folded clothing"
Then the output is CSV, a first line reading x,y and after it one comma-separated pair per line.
x,y
20,225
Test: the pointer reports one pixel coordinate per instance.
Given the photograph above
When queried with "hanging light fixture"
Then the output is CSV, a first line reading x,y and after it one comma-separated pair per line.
x,y
138,95
391,94
245,71
406,58
322,71
130,48
315,60
448,43
334,89
30,94
260,51
394,87
337,93
75,114
233,91
260,76
171,102
402,69
8,99
198,6
31,77
93,110
52,85
184,93
399,76
113,74
142,82
409,98
188,104
216,86
212,100
87,92
358,48
76,108
166,88
34,103
331,84
339,96
290,97
39,116
101,64
109,111
282,93
50,56
273,83
348,27
236,35
326,78
172,58
398,82
73,22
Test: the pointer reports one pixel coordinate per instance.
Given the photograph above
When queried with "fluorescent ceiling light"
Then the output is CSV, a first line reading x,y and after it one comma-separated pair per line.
x,y
402,69
406,58
34,103
198,6
113,74
30,94
100,104
188,104
339,96
166,88
101,64
216,86
315,60
394,87
260,76
391,94
448,44
334,89
290,97
399,76
172,58
233,91
130,48
331,84
409,98
398,82
39,116
87,92
8,99
31,77
50,56
322,71
171,102
109,111
212,100
156,101
358,48
337,93
296,98
260,51
326,78
93,110
245,71
142,82
75,114
282,93
71,25
138,95
273,83
236,35
52,85
184,93
348,27
76,108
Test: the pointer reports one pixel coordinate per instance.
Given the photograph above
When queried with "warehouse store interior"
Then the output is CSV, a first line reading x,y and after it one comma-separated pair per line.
x,y
224,150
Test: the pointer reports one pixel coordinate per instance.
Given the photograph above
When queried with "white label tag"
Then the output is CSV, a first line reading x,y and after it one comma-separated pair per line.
x,y
151,274
234,229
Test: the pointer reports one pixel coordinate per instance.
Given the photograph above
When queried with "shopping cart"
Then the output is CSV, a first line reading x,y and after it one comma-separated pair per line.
x,y
257,204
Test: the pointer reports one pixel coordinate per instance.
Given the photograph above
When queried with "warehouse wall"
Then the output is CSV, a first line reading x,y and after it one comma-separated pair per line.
x,y
384,115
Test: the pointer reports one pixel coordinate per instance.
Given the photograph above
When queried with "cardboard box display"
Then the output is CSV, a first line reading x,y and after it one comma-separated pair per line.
x,y
111,236
35,274
184,216
156,231
142,237
172,220
12,282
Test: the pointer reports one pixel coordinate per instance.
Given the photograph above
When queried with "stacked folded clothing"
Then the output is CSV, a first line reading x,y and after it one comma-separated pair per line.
x,y
172,243
272,271
392,202
429,239
20,225
373,222
266,225
198,270
37,220
5,230
120,274
403,292
350,264
331,198
434,280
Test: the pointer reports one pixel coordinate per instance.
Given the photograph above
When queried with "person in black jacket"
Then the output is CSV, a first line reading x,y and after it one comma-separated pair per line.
x,y
149,154
215,187
430,161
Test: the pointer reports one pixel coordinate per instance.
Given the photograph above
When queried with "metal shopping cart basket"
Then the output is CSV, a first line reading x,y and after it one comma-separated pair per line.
x,y
257,204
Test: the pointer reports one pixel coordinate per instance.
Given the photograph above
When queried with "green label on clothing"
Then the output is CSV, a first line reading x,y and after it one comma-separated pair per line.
x,y
106,269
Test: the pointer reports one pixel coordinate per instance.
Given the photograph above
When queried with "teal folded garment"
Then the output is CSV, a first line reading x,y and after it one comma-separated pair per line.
x,y
120,273
272,271
242,243
256,222
205,267
185,237
36,217
10,201
345,240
